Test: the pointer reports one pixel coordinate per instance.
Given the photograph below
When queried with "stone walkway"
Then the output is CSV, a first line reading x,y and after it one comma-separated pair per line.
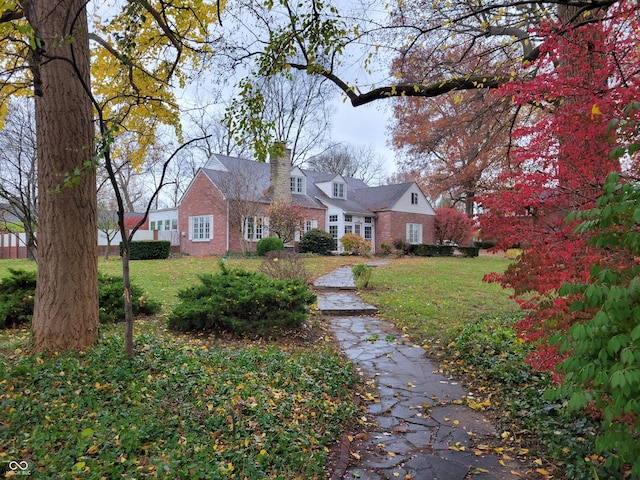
x,y
419,426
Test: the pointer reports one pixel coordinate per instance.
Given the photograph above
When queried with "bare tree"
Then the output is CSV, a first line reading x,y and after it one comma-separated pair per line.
x,y
296,105
108,225
243,200
360,161
18,164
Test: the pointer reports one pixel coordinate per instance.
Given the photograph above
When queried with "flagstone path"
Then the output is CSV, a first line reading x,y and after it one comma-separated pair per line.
x,y
418,425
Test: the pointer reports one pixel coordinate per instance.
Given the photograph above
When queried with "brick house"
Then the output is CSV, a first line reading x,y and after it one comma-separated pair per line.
x,y
225,207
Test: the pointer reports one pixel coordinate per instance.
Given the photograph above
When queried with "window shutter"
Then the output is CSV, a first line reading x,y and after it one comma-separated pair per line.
x,y
190,228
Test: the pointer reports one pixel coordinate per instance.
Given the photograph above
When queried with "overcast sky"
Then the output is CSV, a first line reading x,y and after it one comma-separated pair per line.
x,y
365,125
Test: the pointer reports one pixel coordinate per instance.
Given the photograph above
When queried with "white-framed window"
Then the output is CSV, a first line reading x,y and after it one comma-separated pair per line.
x,y
333,230
414,233
368,232
338,190
152,225
368,219
254,228
174,224
333,218
167,224
348,218
348,229
310,224
201,228
297,185
414,198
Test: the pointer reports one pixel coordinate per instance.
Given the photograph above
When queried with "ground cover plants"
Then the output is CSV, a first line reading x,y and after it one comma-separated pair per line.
x,y
184,406
181,408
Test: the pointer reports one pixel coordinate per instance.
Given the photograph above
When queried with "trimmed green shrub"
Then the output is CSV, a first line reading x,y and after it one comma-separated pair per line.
x,y
17,291
111,299
317,241
362,274
149,249
469,251
424,250
241,302
16,298
268,244
484,244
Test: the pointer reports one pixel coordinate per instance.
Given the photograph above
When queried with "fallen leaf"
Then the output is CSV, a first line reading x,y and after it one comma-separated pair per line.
x,y
92,449
355,455
391,454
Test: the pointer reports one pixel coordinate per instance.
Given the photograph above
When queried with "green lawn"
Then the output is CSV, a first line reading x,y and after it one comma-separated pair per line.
x,y
192,407
161,279
433,298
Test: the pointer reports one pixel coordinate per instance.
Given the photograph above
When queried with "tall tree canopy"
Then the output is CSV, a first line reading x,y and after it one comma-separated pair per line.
x,y
141,51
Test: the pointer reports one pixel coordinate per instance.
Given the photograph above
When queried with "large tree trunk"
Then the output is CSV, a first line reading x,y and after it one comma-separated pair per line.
x,y
66,301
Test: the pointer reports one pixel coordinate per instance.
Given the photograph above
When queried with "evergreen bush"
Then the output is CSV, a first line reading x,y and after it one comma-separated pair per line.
x,y
268,244
149,249
469,251
111,299
18,289
241,302
317,241
16,298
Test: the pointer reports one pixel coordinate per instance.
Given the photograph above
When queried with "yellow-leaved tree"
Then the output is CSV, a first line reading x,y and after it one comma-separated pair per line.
x,y
119,74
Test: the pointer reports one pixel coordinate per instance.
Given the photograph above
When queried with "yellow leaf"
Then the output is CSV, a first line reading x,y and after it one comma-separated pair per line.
x,y
355,455
92,449
391,454
542,471
517,474
350,437
595,110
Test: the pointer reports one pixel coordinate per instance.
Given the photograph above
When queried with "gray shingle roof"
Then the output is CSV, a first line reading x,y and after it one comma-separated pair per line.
x,y
360,198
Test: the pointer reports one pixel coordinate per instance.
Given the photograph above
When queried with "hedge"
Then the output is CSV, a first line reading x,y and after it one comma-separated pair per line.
x,y
148,249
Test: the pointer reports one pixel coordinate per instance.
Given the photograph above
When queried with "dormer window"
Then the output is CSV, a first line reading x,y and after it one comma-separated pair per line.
x,y
297,185
338,190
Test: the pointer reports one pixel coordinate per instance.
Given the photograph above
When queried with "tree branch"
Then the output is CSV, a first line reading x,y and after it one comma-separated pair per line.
x,y
412,90
11,15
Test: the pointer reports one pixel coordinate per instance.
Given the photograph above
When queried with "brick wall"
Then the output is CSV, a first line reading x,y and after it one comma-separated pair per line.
x,y
203,199
391,225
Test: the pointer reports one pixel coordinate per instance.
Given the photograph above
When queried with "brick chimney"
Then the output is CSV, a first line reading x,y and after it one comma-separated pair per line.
x,y
280,177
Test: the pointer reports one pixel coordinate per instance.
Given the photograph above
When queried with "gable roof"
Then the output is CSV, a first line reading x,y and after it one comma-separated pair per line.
x,y
383,197
223,172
